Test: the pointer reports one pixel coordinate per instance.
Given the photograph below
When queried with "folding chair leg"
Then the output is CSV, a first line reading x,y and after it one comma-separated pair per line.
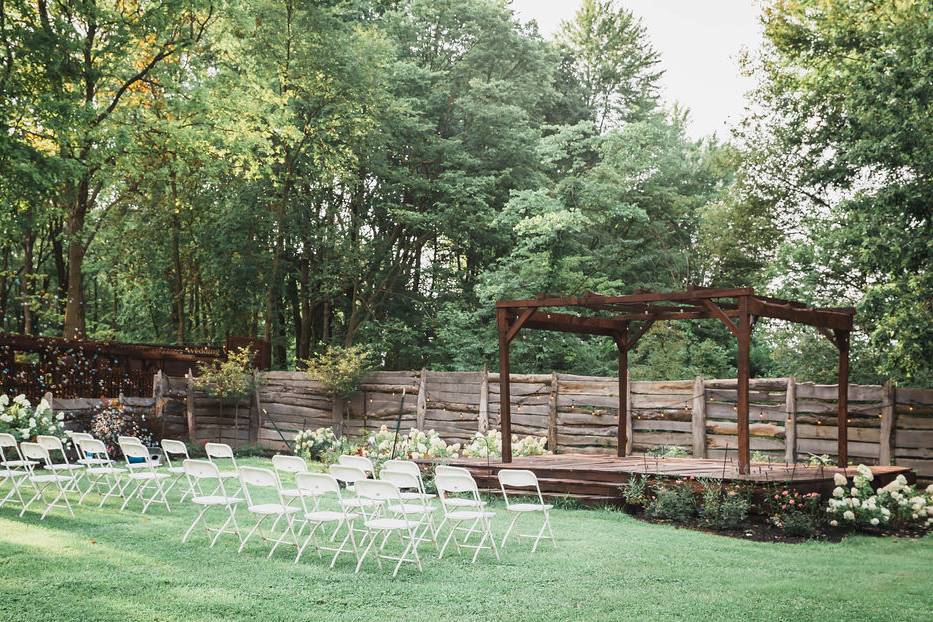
x,y
251,532
197,520
509,530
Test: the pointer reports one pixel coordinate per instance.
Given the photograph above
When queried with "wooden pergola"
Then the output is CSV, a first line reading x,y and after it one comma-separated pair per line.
x,y
626,318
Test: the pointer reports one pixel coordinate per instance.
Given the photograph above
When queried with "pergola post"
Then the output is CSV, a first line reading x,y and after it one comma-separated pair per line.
x,y
743,337
842,414
621,436
505,399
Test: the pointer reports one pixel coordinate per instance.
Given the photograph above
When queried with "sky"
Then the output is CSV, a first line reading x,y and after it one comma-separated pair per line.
x,y
699,42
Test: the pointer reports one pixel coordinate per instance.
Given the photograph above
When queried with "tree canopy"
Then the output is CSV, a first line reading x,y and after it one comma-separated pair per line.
x,y
377,173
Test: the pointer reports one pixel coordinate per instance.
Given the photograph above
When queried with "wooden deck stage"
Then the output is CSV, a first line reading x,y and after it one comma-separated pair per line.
x,y
597,478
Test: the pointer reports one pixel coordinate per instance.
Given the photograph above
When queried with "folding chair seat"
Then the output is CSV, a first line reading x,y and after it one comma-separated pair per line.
x,y
252,478
100,471
143,474
360,462
57,482
463,502
53,445
314,488
83,459
349,476
477,518
198,472
13,468
407,466
415,508
219,454
177,471
524,480
380,526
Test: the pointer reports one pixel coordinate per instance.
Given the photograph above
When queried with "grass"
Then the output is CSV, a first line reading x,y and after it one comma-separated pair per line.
x,y
108,565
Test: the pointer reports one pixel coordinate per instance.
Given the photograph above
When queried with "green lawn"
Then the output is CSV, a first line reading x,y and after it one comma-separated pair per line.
x,y
108,565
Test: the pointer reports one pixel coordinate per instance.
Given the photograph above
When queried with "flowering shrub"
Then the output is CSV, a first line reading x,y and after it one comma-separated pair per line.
x,y
489,445
19,418
796,513
339,369
112,421
897,504
635,490
673,501
316,444
416,444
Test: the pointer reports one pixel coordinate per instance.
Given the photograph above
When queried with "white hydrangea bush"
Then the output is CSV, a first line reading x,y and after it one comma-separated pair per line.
x,y
897,504
489,445
415,445
19,418
314,444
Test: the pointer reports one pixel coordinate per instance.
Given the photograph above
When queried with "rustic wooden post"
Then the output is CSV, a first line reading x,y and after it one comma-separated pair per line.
x,y
629,431
552,413
505,398
625,420
888,414
157,406
698,418
790,424
336,412
422,407
255,416
189,407
842,416
482,423
743,337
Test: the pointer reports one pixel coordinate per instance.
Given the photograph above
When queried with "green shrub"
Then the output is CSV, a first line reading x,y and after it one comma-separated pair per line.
x,y
339,369
635,490
675,502
668,451
800,524
724,507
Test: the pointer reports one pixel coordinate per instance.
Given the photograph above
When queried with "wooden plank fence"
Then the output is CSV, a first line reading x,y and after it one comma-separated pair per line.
x,y
790,420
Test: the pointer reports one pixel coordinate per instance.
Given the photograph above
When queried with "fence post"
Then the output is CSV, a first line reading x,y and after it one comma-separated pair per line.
x,y
255,416
157,406
552,413
189,407
790,424
629,435
422,407
698,418
888,414
482,423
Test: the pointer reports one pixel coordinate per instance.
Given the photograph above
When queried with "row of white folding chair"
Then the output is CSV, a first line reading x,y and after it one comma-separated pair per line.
x,y
523,481
19,469
13,468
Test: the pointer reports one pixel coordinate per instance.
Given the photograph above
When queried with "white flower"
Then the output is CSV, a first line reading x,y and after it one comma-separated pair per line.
x,y
854,491
848,515
865,472
21,400
929,489
900,479
834,523
838,492
839,479
886,512
60,416
874,521
4,400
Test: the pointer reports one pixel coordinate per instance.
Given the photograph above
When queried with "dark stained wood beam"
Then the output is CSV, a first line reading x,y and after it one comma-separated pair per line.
x,y
842,413
623,341
564,322
574,301
834,319
743,366
505,399
717,311
518,322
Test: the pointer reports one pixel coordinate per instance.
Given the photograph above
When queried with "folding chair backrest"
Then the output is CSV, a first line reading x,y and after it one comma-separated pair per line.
x,y
316,484
35,451
377,489
7,440
400,479
77,437
360,462
91,447
137,451
455,483
443,469
174,448
402,466
128,439
518,478
51,443
289,464
258,477
347,474
201,469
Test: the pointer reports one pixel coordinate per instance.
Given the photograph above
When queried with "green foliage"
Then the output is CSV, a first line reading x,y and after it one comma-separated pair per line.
x,y
230,377
339,369
668,451
674,501
635,490
724,507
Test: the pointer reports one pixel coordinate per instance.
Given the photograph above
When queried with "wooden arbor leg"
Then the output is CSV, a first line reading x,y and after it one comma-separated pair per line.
x,y
743,337
505,416
842,413
622,435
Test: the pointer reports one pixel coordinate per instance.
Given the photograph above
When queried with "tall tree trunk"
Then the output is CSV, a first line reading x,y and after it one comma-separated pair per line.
x,y
29,239
178,283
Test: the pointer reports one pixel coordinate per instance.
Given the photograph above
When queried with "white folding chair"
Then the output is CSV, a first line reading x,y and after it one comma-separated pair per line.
x,y
198,472
380,525
142,473
408,466
266,480
53,445
479,519
523,479
417,507
13,467
316,487
180,451
100,471
44,481
129,439
219,454
360,462
464,502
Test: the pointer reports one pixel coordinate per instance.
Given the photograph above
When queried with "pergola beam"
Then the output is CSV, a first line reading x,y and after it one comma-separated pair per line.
x,y
579,301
